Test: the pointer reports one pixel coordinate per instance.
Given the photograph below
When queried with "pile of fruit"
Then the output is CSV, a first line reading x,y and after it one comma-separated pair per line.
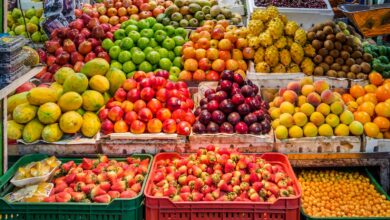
x,y
194,13
213,48
26,24
381,54
234,106
67,106
292,4
341,194
220,174
100,180
307,109
146,46
371,105
149,103
338,53
280,44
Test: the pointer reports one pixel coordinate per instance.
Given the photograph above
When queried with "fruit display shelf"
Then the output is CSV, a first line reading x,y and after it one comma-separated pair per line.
x,y
305,17
375,145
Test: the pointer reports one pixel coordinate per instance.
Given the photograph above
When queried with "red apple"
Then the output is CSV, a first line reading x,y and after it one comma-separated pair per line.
x,y
145,114
75,57
120,95
133,95
85,47
103,114
137,127
107,127
130,117
27,86
115,113
154,105
163,114
129,84
147,93
162,94
90,56
169,126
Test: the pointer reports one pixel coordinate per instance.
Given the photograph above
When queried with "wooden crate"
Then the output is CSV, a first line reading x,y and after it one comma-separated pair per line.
x,y
245,142
54,149
334,83
334,144
127,143
361,82
372,145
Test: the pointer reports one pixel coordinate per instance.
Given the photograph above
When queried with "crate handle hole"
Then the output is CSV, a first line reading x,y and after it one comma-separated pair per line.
x,y
319,149
300,150
124,152
338,149
376,149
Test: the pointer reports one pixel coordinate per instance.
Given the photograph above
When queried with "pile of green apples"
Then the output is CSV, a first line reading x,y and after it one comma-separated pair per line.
x,y
26,24
146,45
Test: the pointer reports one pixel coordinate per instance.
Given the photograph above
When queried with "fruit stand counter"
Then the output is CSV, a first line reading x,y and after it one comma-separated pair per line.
x,y
3,97
379,160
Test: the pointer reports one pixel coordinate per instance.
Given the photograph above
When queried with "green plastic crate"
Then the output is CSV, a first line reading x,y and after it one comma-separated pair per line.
x,y
377,187
118,209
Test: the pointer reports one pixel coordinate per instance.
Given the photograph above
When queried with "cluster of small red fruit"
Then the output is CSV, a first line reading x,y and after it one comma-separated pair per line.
x,y
149,103
220,174
100,180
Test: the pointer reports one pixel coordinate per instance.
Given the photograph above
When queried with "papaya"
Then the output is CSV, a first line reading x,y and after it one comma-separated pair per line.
x,y
41,95
92,100
99,83
70,101
52,133
97,66
16,100
63,73
58,88
49,113
14,130
116,78
77,82
91,124
70,122
24,113
32,131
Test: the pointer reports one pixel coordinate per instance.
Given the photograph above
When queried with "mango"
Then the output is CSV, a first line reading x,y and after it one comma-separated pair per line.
x,y
70,101
58,88
42,95
14,130
97,66
116,78
92,100
16,100
49,113
63,73
99,83
77,82
52,133
24,113
32,131
91,124
71,122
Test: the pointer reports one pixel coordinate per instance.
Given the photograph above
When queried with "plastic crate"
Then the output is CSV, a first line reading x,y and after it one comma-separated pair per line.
x,y
9,57
10,44
118,209
282,209
6,79
9,67
377,187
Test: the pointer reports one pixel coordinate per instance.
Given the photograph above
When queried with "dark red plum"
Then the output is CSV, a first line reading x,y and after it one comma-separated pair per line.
x,y
208,92
238,79
243,109
264,105
197,111
235,85
255,128
212,128
204,107
241,128
203,101
258,97
226,106
265,126
247,91
235,91
259,114
218,88
212,105
227,75
233,118
255,89
220,96
250,119
198,128
204,117
211,97
226,85
238,99
218,117
254,104
226,127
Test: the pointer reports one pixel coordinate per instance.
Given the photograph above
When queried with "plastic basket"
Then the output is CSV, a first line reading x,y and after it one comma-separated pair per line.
x,y
282,209
9,57
10,44
9,67
377,187
6,79
118,209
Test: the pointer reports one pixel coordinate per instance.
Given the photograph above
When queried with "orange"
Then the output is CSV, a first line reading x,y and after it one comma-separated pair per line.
x,y
352,106
370,88
371,129
375,78
347,98
185,75
359,100
357,91
383,109
383,93
382,122
368,107
362,117
190,65
370,97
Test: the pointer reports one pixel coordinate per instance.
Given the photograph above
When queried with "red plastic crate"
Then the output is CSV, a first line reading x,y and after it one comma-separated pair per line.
x,y
282,209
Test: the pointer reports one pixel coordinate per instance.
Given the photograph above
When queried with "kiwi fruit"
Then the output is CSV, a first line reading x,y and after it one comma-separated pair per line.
x,y
348,48
367,57
329,23
338,45
344,54
328,30
318,71
366,68
361,76
336,29
356,68
330,37
350,61
351,75
324,66
311,35
316,44
329,60
350,41
341,74
356,54
317,59
334,53
345,68
318,27
340,60
320,35
359,61
331,73
335,66
341,37
328,44
323,52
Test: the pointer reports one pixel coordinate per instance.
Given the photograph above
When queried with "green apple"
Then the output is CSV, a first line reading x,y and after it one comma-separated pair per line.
x,y
175,24
133,22
153,42
181,32
166,21
152,21
171,55
165,64
116,64
179,40
147,50
158,26
143,24
178,62
125,24
134,35
174,70
183,23
143,42
153,57
107,44
118,42
160,35
170,30
163,52
138,57
178,50
130,75
160,17
128,67
168,44
145,66
114,52
131,28
148,33
119,34
124,56
135,49
127,43
173,78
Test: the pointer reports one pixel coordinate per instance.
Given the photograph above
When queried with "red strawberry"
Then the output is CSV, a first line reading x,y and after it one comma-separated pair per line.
x,y
68,190
105,186
136,187
210,148
63,197
253,177
227,177
60,187
237,189
245,178
70,178
78,196
139,178
51,198
78,186
282,183
272,187
277,168
80,177
223,151
105,198
216,178
170,191
271,199
223,186
206,189
235,181
254,197
67,166
185,189
87,164
182,180
257,186
208,180
244,186
196,196
119,186
229,166
114,194
208,197
97,191
101,177
128,194
284,193
231,196
186,196
242,163
216,193
176,198
87,188
279,176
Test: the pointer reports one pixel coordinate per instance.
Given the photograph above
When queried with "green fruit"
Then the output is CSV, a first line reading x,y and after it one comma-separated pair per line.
x,y
183,23
34,20
128,67
160,18
114,52
20,29
174,24
49,113
36,37
158,26
145,66
125,24
206,10
134,49
116,78
143,24
138,57
160,35
165,64
151,20
215,10
178,50
170,30
117,42
163,53
143,42
14,130
199,15
147,50
124,56
181,32
148,33
177,62
166,21
107,44
62,74
32,131
16,13
176,16
44,37
119,34
193,7
134,35
193,22
39,12
179,3
179,40
174,71
131,28
116,64
77,82
96,66
24,113
153,57
220,17
30,13
168,44
171,55
171,9
153,43
173,78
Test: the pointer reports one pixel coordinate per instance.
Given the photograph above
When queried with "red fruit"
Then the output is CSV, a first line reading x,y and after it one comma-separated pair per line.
x,y
87,188
129,84
27,86
119,186
90,56
78,196
173,103
133,95
60,187
154,125
115,113
178,115
75,57
162,94
130,117
184,128
97,191
52,45
63,58
136,187
63,197
120,95
186,196
85,47
51,198
137,127
67,166
154,105
70,178
204,64
229,166
107,127
138,105
114,194
145,114
105,198
147,93
128,194
163,114
169,126
105,185
279,176
189,117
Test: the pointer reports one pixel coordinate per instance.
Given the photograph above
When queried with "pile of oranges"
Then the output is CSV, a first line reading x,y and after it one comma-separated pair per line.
x,y
370,105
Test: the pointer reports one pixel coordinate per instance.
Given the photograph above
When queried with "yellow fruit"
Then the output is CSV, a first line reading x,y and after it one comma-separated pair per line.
x,y
62,74
332,120
275,113
58,88
116,78
52,133
24,113
337,107
275,123
97,66
14,130
286,120
346,117
70,101
300,118
325,130
356,128
99,83
317,118
92,100
281,132
49,113
16,100
287,107
295,132
341,130
77,82
91,124
371,129
307,108
71,122
310,130
32,131
323,108
41,95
